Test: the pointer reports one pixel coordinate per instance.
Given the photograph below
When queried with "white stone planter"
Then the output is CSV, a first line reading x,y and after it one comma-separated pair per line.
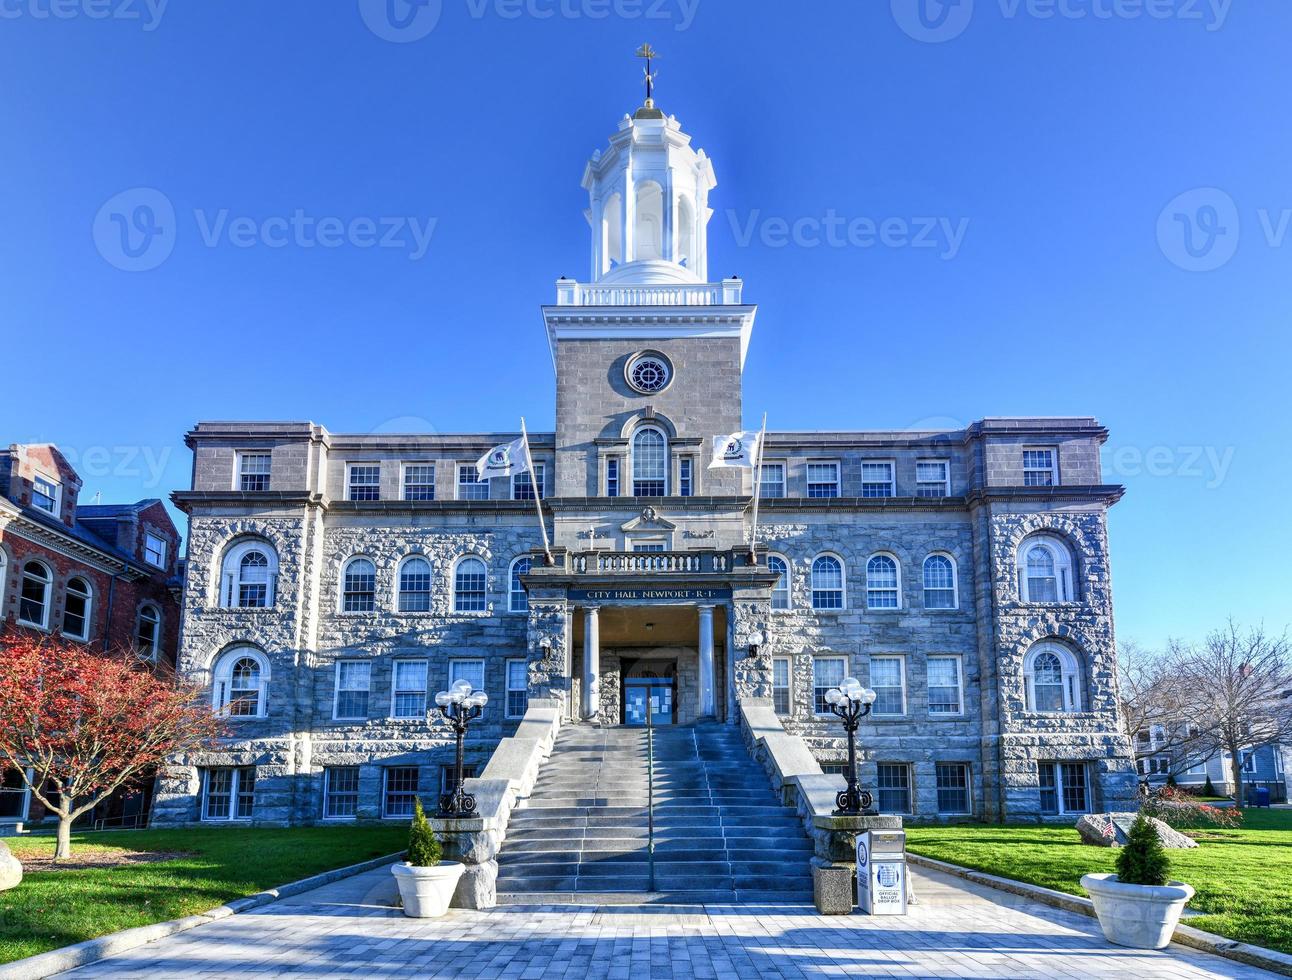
x,y
426,892
1139,916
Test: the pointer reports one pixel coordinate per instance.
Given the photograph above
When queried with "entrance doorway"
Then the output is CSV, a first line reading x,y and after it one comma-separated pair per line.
x,y
649,686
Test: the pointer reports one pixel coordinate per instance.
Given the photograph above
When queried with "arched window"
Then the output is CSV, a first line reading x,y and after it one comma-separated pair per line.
x,y
241,684
685,253
648,226
650,463
882,584
940,582
359,586
148,631
415,585
249,575
1045,570
33,599
470,586
827,583
77,609
517,597
612,218
779,567
1051,679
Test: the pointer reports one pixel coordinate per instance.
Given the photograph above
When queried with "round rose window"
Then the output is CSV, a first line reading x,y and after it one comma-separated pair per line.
x,y
649,372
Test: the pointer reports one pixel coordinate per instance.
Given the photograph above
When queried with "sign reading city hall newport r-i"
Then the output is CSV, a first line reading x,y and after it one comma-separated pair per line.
x,y
649,595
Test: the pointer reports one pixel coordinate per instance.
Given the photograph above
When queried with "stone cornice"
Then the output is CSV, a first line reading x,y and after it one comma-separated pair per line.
x,y
1104,493
21,526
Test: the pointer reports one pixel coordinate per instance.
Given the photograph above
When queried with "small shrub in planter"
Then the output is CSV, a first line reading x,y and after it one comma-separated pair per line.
x,y
1143,860
424,848
1139,906
426,883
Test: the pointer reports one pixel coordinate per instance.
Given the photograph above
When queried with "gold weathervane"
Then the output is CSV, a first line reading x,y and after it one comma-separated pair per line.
x,y
649,53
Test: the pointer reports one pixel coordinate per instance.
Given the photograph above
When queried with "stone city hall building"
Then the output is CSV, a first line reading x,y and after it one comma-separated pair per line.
x,y
336,582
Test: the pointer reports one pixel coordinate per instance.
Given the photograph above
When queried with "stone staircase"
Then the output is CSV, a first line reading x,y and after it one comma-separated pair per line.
x,y
720,833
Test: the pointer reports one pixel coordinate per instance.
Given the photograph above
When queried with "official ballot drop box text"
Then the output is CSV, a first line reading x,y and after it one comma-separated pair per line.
x,y
881,872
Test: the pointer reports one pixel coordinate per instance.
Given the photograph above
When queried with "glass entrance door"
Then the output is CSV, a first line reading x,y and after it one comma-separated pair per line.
x,y
653,691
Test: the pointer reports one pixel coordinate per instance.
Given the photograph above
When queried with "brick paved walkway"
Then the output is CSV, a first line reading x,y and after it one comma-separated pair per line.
x,y
958,930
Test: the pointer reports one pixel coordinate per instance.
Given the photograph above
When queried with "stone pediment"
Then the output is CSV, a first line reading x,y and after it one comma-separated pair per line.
x,y
648,521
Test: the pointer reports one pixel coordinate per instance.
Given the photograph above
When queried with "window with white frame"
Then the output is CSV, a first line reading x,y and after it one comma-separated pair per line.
x,y
877,479
359,586
888,681
827,673
940,582
248,575
649,545
827,582
893,787
1039,469
415,585
353,683
1045,569
148,631
449,777
522,484
686,477
612,476
419,481
470,586
364,481
945,686
470,486
340,792
471,671
155,549
34,594
778,566
782,694
823,479
241,683
77,609
882,583
253,472
771,481
228,792
517,597
13,795
932,478
953,788
399,792
1249,762
45,492
1065,787
517,693
650,462
408,689
1051,679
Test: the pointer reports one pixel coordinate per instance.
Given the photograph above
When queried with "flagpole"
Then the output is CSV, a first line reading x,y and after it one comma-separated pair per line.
x,y
758,490
538,492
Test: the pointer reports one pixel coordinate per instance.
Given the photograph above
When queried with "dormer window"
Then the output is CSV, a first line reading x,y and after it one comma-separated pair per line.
x,y
45,493
155,550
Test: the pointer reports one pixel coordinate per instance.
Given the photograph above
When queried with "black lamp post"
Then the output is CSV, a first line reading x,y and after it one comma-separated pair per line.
x,y
460,706
851,702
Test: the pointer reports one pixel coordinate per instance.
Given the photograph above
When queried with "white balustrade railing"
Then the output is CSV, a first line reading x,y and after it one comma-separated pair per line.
x,y
663,294
650,562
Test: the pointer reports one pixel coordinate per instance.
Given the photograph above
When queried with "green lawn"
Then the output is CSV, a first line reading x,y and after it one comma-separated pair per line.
x,y
1243,877
54,908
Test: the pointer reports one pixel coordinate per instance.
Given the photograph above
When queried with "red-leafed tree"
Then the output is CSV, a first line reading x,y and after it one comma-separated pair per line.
x,y
80,724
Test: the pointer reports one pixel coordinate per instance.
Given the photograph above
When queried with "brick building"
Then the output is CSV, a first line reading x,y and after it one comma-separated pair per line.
x,y
104,574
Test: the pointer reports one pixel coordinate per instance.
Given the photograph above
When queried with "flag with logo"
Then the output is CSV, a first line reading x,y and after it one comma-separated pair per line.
x,y
506,460
739,449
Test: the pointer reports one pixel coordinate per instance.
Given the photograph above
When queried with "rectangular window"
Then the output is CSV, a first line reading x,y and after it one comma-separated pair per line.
x,y
781,694
877,480
612,476
827,672
228,793
400,791
522,486
932,478
953,787
649,546
1039,469
469,486
471,671
365,481
340,792
517,688
823,479
944,686
893,785
1249,762
888,680
409,689
154,550
1063,788
44,494
353,679
253,472
449,777
771,480
685,479
419,481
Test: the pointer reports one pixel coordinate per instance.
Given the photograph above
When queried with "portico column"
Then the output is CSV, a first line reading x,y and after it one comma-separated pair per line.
x,y
591,663
707,681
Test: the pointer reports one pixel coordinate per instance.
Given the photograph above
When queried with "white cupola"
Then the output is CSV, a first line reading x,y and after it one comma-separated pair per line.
x,y
649,203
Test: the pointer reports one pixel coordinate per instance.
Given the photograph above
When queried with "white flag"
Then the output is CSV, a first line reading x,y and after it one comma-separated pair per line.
x,y
505,460
738,449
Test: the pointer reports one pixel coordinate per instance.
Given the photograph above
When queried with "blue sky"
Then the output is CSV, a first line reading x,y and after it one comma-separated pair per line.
x,y
1084,207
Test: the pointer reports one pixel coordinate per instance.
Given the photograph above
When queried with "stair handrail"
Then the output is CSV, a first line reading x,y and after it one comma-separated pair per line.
x,y
650,793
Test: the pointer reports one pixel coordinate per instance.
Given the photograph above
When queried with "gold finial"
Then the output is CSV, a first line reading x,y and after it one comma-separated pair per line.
x,y
649,53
